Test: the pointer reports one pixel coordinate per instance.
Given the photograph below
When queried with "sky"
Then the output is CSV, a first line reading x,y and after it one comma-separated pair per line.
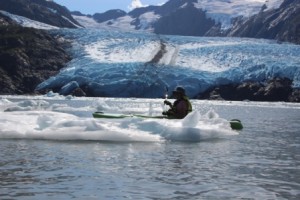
x,y
99,6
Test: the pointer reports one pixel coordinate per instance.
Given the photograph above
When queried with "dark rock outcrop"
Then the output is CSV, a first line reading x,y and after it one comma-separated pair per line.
x,y
140,11
182,22
77,13
171,6
277,89
109,15
6,21
295,96
78,92
27,58
40,10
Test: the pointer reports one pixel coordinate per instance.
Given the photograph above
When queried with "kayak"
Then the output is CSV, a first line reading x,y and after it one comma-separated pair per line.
x,y
234,123
120,116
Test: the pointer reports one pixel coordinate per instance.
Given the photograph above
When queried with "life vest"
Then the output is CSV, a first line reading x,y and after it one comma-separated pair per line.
x,y
190,108
186,99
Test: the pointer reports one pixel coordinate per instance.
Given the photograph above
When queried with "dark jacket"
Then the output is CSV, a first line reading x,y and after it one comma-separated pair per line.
x,y
180,108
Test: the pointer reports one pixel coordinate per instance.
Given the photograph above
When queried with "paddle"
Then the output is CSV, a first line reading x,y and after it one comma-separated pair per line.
x,y
166,92
165,108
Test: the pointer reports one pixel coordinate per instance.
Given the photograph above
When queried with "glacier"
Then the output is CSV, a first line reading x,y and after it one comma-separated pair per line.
x,y
113,63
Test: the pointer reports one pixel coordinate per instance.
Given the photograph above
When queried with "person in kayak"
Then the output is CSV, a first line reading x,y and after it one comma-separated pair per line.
x,y
181,107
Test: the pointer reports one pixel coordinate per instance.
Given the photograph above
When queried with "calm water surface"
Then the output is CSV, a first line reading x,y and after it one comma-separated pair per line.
x,y
262,162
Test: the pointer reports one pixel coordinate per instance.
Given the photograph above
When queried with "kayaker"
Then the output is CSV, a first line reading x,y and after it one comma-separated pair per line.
x,y
181,107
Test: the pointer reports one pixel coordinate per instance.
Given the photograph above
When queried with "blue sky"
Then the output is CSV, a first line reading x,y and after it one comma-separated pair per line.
x,y
94,6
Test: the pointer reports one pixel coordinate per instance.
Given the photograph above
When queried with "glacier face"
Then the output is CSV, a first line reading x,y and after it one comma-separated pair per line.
x,y
120,64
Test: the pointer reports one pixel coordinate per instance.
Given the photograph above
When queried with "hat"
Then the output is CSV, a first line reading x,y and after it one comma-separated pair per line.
x,y
179,90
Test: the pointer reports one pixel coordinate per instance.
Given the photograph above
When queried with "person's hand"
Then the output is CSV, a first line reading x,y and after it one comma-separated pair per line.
x,y
167,103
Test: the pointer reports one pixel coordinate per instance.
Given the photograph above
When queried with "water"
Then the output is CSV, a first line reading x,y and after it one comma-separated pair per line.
x,y
260,162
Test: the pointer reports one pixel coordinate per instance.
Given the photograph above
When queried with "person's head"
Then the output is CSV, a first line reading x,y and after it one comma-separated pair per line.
x,y
179,92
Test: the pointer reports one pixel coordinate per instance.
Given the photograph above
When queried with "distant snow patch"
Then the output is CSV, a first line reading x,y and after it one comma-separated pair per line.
x,y
71,22
87,22
147,19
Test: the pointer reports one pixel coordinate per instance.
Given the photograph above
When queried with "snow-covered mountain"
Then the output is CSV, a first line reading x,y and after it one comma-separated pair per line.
x,y
242,18
220,11
268,19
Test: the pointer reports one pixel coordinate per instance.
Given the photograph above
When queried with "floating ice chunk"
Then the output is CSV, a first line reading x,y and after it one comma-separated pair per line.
x,y
51,94
4,101
191,120
211,114
28,105
44,121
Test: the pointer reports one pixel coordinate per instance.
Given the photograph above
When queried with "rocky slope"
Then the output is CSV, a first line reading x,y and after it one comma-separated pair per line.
x,y
182,22
27,57
47,12
276,89
282,24
109,15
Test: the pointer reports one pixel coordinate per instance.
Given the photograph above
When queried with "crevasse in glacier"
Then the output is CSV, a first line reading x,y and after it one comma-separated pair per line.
x,y
130,64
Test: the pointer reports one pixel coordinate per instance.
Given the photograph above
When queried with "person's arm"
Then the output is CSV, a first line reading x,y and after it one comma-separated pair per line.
x,y
168,103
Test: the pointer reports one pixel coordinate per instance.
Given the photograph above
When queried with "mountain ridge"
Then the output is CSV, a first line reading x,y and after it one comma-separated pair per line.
x,y
282,24
177,17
